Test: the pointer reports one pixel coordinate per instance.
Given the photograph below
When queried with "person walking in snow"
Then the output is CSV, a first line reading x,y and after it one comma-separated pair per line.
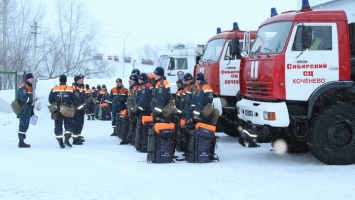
x,y
62,94
25,97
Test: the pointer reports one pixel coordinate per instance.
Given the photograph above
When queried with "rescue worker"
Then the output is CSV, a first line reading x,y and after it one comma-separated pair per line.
x,y
78,119
143,98
179,115
96,91
188,97
62,94
118,97
136,71
102,96
161,95
178,96
89,102
131,108
204,96
25,97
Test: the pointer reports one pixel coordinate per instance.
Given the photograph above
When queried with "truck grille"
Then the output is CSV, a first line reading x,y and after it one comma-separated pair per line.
x,y
259,89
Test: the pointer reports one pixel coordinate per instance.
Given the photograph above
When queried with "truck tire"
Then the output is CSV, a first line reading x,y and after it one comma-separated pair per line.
x,y
294,145
228,127
332,135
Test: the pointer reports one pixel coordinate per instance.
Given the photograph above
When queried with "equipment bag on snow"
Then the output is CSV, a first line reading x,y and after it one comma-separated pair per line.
x,y
141,141
123,126
161,143
106,112
202,143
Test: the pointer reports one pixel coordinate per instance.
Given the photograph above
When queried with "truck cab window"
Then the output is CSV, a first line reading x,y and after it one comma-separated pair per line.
x,y
321,38
228,56
213,50
181,63
271,38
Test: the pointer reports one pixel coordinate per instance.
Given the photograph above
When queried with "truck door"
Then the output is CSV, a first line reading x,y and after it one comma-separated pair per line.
x,y
306,69
229,72
178,66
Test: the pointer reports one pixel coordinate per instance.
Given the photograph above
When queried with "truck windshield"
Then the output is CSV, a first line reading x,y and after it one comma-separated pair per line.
x,y
162,62
271,38
213,50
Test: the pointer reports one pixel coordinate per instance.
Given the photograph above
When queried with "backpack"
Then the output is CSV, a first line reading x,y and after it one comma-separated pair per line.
x,y
122,124
161,143
201,144
141,141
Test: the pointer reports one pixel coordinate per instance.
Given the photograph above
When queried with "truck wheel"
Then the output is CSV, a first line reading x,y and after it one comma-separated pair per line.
x,y
229,128
332,135
294,145
263,136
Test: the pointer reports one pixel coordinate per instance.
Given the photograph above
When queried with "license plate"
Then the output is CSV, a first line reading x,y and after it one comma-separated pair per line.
x,y
248,113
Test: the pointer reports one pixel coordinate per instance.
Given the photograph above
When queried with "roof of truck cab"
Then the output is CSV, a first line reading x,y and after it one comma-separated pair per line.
x,y
230,34
310,15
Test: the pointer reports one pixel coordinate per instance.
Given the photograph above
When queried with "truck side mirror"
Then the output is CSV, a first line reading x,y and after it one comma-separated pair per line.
x,y
306,37
234,48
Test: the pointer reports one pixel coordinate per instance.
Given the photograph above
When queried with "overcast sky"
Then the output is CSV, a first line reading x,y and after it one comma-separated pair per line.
x,y
168,22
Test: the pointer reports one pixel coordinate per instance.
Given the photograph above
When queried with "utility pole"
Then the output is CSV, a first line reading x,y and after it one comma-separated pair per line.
x,y
35,33
34,60
124,52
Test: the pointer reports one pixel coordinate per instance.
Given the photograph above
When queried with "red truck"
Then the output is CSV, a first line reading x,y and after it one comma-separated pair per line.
x,y
298,81
220,64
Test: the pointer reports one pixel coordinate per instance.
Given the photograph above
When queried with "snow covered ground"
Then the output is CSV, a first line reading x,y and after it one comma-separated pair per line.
x,y
103,169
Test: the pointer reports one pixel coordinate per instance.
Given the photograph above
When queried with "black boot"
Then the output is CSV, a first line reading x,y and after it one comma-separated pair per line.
x,y
66,141
252,143
92,117
81,138
89,117
114,132
241,141
77,140
124,142
61,143
22,144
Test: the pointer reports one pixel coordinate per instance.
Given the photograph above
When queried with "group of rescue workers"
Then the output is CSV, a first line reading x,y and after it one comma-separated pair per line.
x,y
147,95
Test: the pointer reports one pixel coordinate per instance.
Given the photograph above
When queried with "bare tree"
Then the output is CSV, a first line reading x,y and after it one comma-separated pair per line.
x,y
16,19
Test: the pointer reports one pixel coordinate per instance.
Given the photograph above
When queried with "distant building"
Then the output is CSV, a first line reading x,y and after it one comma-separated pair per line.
x,y
147,62
127,59
98,57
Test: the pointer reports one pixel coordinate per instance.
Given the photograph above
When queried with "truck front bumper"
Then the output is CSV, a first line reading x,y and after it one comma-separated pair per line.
x,y
274,114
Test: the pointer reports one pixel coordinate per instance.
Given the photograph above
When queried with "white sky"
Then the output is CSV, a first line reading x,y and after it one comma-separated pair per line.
x,y
169,22
161,22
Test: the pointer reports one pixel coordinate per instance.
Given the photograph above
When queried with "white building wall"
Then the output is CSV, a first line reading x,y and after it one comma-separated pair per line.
x,y
347,5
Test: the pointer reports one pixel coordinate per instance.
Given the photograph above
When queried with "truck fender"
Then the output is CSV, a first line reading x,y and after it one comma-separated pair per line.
x,y
322,89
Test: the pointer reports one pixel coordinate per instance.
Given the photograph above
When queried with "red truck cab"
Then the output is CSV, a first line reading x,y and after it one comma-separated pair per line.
x,y
297,81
